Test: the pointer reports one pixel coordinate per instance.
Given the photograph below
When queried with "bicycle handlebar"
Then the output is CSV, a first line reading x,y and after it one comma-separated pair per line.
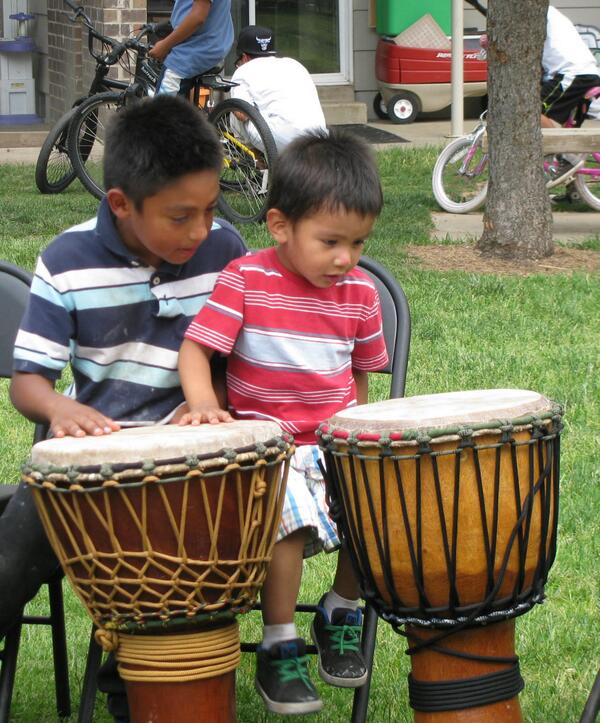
x,y
117,48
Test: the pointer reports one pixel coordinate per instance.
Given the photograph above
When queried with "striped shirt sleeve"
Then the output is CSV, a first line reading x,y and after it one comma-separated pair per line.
x,y
43,342
218,323
370,353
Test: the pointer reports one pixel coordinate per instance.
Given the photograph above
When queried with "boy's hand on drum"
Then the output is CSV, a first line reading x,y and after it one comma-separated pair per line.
x,y
208,415
181,410
72,419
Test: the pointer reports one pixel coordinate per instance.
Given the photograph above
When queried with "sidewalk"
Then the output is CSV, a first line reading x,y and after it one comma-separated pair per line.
x,y
422,132
23,146
570,227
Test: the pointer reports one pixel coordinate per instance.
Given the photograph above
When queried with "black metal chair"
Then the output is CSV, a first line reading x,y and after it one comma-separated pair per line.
x,y
396,328
14,290
592,704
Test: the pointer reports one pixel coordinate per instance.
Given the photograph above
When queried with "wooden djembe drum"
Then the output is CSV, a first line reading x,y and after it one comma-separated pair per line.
x,y
449,506
165,534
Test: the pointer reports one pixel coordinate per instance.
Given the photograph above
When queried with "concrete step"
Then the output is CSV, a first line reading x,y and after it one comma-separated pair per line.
x,y
345,112
23,138
336,93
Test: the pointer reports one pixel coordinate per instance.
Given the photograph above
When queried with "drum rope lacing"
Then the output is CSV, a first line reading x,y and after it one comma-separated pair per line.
x,y
480,690
179,658
150,582
432,696
472,613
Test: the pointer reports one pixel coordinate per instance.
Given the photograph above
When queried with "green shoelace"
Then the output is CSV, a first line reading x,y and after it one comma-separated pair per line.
x,y
293,669
344,638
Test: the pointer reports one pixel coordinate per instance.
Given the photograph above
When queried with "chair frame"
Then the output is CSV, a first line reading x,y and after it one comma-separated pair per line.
x,y
56,618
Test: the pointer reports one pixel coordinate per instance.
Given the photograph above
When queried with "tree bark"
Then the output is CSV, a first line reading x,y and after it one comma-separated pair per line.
x,y
517,222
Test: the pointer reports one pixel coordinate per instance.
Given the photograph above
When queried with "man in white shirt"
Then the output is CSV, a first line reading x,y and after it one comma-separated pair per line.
x,y
569,69
281,88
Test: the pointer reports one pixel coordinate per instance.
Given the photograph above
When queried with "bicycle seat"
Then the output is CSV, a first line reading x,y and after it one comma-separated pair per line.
x,y
212,79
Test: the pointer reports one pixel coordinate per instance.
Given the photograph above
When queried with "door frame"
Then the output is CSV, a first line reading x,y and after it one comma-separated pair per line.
x,y
346,72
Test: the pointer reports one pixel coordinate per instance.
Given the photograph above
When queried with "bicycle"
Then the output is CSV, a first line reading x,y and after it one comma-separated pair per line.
x,y
54,170
461,172
248,146
249,150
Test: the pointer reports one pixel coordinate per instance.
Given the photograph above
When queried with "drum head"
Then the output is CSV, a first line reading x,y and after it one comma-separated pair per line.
x,y
442,410
130,446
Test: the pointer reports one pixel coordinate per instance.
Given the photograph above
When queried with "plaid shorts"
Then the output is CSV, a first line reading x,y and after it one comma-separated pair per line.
x,y
306,505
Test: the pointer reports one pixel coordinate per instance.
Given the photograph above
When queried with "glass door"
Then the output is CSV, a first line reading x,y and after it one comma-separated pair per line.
x,y
316,33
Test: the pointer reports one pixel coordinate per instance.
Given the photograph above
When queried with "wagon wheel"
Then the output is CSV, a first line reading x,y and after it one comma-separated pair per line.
x,y
403,107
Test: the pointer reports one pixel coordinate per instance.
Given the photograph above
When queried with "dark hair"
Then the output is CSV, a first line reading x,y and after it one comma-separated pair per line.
x,y
155,141
326,171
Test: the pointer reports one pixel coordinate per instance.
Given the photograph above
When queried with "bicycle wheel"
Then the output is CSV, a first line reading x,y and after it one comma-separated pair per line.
x,y
54,170
86,138
587,181
250,154
460,176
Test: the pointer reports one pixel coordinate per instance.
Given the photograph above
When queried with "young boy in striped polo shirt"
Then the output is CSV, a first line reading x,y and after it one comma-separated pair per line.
x,y
302,328
112,298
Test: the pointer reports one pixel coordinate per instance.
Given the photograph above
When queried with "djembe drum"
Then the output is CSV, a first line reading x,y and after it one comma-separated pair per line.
x,y
449,505
165,534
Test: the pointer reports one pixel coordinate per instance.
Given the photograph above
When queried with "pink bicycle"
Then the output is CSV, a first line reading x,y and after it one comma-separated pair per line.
x,y
461,172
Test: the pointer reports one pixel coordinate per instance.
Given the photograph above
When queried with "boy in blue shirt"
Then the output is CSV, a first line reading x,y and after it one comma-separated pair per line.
x,y
112,298
201,38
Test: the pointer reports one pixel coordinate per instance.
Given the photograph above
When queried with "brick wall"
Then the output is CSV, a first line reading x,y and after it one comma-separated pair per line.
x,y
70,66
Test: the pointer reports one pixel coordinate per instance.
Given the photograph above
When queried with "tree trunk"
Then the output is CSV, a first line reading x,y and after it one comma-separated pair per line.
x,y
517,222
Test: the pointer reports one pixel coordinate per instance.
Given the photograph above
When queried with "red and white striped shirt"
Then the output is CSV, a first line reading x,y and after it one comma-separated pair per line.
x,y
292,345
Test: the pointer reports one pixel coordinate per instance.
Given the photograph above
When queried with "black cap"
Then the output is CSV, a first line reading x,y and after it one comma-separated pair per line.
x,y
256,40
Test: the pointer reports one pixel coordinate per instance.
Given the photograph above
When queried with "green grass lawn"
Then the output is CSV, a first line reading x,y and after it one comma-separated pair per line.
x,y
470,331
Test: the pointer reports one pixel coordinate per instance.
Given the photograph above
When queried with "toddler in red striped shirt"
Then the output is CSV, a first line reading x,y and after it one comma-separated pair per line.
x,y
301,327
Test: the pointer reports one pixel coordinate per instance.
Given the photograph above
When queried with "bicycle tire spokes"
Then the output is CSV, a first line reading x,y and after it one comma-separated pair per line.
x,y
59,164
54,170
587,181
466,174
243,183
249,156
86,142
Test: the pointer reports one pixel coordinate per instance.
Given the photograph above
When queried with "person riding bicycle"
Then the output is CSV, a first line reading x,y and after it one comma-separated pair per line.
x,y
281,88
201,38
569,72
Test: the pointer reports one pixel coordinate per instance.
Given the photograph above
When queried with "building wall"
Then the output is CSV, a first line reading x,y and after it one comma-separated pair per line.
x,y
64,61
70,66
364,45
39,8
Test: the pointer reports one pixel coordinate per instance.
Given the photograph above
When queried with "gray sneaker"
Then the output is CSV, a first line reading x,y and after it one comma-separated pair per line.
x,y
338,641
282,679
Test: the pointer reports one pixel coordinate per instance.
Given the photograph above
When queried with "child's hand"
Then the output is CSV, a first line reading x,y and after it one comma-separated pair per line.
x,y
181,410
210,415
70,418
159,51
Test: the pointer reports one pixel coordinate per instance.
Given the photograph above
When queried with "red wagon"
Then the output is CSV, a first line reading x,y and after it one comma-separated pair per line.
x,y
415,80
